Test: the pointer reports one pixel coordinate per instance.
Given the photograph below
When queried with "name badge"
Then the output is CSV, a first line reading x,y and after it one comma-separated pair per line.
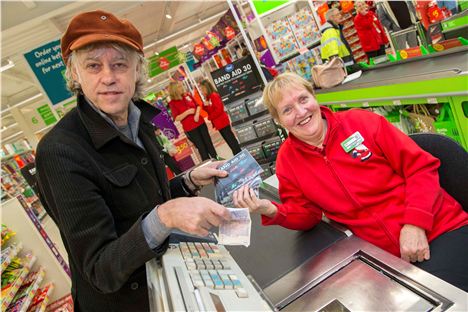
x,y
352,142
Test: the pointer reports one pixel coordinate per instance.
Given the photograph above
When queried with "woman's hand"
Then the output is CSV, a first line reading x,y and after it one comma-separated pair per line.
x,y
413,244
205,175
245,198
190,111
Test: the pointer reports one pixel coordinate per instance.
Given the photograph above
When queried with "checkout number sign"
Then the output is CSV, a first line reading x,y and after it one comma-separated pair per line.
x,y
236,80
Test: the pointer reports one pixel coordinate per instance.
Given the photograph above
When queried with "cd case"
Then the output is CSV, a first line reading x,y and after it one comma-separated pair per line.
x,y
242,170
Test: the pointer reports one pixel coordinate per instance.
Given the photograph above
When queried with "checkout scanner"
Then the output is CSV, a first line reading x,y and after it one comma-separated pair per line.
x,y
324,269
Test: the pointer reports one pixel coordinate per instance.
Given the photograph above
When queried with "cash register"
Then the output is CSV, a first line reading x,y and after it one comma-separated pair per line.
x,y
201,276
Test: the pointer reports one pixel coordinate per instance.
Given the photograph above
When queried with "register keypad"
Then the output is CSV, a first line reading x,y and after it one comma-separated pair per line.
x,y
208,268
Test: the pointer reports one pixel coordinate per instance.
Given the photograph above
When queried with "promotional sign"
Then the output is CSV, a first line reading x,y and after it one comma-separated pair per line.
x,y
410,52
39,115
47,64
262,6
236,80
162,62
164,121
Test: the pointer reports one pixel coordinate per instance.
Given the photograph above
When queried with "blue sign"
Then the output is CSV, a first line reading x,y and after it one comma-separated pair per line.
x,y
47,64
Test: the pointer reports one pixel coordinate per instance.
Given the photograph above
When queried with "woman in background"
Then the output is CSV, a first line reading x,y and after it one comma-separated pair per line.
x,y
370,31
187,112
219,118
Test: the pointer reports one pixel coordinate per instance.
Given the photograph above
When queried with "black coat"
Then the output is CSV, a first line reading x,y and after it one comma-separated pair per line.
x,y
97,185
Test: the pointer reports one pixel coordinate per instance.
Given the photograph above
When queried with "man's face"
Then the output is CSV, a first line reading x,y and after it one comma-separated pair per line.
x,y
336,17
107,78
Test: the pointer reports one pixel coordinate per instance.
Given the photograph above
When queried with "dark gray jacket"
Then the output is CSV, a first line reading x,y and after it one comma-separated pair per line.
x,y
97,185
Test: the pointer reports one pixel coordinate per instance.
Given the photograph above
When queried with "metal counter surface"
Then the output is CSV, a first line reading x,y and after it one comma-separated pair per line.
x,y
274,251
443,65
363,277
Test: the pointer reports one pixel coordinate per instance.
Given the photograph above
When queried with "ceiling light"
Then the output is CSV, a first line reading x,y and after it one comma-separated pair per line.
x,y
8,65
168,16
156,53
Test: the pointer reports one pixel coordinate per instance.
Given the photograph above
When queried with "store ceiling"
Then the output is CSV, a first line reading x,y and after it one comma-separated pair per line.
x,y
27,24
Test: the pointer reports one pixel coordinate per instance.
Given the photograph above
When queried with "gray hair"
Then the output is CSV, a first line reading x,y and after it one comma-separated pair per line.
x,y
74,85
330,12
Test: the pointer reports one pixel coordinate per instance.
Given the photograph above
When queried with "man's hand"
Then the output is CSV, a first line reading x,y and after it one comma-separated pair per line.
x,y
205,175
245,198
194,215
413,244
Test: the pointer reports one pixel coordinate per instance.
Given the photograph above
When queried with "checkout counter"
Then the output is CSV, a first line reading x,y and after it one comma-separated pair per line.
x,y
328,268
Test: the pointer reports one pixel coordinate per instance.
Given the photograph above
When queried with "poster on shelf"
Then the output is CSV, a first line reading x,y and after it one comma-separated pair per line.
x,y
237,79
163,121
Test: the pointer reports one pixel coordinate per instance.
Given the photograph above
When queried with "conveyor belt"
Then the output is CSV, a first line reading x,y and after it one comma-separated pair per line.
x,y
440,65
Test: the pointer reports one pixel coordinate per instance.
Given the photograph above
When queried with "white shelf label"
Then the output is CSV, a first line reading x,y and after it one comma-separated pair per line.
x,y
432,101
365,104
397,102
343,105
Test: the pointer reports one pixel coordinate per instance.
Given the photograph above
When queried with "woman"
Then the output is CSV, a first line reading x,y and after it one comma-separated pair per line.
x,y
370,31
361,171
218,117
185,110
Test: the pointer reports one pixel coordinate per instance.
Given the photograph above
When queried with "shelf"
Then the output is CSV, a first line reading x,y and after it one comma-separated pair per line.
x,y
354,41
25,301
296,53
15,249
263,138
249,118
9,293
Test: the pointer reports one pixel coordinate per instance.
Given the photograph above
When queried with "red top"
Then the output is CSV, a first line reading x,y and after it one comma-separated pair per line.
x,y
179,106
385,182
216,114
370,31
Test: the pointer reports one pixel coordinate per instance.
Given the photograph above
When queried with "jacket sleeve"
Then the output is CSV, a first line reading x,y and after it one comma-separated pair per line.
x,y
418,168
174,109
103,257
296,212
217,104
330,45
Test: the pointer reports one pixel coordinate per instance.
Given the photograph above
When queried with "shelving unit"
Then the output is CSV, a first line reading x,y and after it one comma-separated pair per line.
x,y
40,261
263,137
17,277
351,36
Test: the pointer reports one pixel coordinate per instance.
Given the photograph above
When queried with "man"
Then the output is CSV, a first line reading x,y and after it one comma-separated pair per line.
x,y
333,43
396,16
101,172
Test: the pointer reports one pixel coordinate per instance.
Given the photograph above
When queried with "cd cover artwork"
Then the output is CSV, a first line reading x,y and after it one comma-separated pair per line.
x,y
243,169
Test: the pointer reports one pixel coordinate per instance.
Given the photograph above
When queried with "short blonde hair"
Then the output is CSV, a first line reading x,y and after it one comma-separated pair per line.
x,y
273,92
174,92
129,52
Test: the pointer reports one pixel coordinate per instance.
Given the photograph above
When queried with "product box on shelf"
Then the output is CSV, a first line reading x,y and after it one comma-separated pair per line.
x,y
245,132
266,171
273,168
256,151
237,111
254,106
271,147
264,126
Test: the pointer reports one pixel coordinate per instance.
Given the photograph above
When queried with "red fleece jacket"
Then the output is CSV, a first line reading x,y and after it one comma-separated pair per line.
x,y
389,183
